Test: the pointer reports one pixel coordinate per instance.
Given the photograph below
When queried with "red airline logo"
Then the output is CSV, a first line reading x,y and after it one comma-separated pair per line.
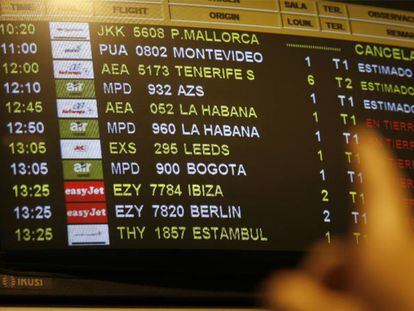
x,y
80,148
86,213
93,191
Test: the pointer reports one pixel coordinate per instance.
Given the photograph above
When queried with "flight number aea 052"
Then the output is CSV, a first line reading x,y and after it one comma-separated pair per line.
x,y
162,108
182,90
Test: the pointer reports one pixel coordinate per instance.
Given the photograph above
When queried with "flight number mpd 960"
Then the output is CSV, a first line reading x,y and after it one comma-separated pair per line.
x,y
164,128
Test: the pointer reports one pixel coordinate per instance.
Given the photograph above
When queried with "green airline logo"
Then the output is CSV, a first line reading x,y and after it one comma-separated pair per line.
x,y
75,88
87,170
79,128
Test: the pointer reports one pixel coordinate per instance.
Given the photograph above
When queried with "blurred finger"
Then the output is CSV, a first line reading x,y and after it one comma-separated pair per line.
x,y
388,216
328,264
384,266
295,291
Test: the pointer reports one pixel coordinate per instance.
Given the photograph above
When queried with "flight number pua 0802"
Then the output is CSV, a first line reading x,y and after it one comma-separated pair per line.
x,y
182,90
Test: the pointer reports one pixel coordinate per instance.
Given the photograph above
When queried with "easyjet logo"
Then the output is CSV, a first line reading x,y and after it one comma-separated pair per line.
x,y
86,213
93,191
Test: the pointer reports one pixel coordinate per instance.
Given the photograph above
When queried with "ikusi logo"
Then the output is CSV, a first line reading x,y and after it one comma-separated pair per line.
x,y
8,281
92,191
73,69
64,30
71,50
19,282
73,108
86,213
81,149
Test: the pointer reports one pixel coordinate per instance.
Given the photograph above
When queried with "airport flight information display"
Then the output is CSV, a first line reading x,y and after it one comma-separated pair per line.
x,y
196,124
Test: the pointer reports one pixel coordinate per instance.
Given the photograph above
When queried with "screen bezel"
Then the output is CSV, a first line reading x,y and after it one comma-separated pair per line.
x,y
256,265
216,278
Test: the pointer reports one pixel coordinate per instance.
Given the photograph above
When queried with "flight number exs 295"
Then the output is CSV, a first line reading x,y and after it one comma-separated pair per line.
x,y
191,149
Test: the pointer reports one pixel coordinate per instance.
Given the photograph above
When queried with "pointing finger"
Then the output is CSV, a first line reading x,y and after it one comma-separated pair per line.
x,y
297,291
388,216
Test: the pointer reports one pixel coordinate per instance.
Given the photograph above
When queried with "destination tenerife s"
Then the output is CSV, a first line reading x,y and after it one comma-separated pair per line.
x,y
196,124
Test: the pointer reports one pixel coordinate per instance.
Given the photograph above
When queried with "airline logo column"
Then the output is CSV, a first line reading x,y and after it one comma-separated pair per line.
x,y
86,206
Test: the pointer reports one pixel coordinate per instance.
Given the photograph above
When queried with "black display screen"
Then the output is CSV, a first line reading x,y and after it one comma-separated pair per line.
x,y
122,135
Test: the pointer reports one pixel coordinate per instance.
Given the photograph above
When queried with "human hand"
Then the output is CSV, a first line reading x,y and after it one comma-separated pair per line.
x,y
377,275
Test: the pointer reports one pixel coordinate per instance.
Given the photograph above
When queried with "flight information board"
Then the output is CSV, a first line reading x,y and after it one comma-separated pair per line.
x,y
196,124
